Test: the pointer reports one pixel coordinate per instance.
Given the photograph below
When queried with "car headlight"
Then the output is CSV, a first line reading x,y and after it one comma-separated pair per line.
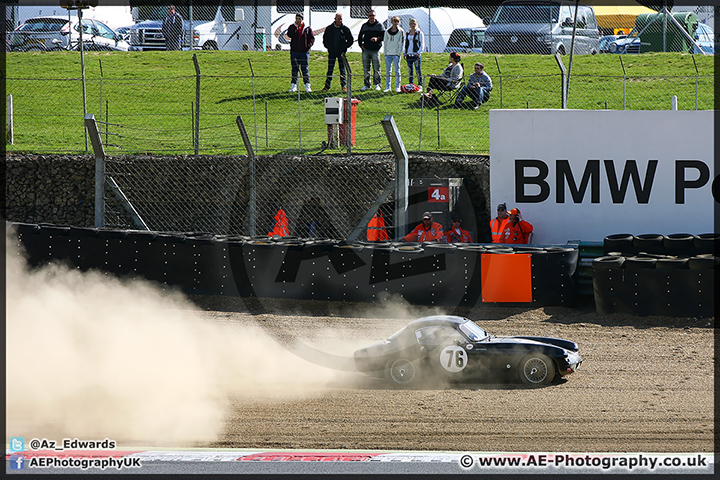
x,y
613,48
488,38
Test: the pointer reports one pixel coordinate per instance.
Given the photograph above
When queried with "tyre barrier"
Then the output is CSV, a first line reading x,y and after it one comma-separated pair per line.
x,y
675,244
199,263
654,284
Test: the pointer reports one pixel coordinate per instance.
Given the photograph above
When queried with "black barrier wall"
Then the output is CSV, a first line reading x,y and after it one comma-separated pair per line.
x,y
653,274
292,268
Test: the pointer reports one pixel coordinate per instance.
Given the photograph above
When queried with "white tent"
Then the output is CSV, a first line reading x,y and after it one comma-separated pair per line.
x,y
437,23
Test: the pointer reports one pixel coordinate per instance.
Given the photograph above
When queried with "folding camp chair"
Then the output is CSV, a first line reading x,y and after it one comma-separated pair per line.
x,y
449,94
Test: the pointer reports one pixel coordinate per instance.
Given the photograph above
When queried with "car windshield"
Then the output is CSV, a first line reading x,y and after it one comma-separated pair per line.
x,y
473,332
527,13
43,25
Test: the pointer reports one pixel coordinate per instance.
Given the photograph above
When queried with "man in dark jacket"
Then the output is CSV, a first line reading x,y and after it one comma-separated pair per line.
x,y
370,40
301,40
337,39
172,28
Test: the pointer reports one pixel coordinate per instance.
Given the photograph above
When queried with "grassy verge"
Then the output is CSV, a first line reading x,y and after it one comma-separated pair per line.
x,y
148,99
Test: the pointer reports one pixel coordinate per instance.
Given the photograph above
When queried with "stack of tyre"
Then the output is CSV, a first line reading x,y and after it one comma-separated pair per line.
x,y
655,274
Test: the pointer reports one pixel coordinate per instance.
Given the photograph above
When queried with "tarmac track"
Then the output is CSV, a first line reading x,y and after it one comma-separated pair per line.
x,y
646,385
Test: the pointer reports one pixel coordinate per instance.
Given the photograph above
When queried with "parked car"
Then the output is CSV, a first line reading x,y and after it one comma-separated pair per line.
x,y
124,33
450,348
468,40
544,27
147,35
628,44
58,33
606,40
705,37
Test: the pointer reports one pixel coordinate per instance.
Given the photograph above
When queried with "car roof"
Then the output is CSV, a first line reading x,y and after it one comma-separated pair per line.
x,y
436,320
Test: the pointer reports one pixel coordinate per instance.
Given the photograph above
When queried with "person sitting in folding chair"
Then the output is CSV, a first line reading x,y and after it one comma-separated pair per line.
x,y
450,78
478,88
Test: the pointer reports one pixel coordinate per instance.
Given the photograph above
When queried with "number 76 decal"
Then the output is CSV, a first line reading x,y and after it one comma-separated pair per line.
x,y
453,358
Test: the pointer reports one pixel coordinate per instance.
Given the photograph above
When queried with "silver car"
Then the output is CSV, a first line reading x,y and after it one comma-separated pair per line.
x,y
50,33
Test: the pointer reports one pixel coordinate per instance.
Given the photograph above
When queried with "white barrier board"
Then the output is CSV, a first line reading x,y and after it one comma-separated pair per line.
x,y
586,174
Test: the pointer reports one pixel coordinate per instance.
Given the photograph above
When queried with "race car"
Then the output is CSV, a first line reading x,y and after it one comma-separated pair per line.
x,y
451,348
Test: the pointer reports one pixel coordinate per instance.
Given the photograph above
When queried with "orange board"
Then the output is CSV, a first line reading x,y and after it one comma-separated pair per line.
x,y
506,277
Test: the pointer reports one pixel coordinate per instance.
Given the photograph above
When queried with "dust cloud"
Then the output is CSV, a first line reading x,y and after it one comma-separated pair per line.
x,y
92,357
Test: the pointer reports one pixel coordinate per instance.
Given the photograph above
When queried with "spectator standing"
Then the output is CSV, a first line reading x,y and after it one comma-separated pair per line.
x,y
450,77
172,29
337,39
370,40
393,43
301,40
455,234
517,230
427,231
497,224
414,45
478,88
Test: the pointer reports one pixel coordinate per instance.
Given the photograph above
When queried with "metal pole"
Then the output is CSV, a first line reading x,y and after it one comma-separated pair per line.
x,y
91,128
697,73
196,132
572,50
401,173
252,77
500,81
563,81
624,81
251,166
82,66
192,33
348,102
9,121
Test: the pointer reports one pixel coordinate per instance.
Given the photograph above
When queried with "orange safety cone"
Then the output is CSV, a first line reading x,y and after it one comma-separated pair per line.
x,y
376,228
281,225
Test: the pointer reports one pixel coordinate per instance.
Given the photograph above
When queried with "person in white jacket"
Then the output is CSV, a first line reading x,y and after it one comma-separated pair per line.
x,y
393,44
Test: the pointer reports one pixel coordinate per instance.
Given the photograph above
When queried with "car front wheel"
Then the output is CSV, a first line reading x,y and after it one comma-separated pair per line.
x,y
401,371
537,369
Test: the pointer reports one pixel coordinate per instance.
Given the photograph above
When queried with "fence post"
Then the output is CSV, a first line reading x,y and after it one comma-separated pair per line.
x,y
251,174
252,77
92,130
196,132
563,81
697,79
9,121
624,81
401,173
348,103
500,80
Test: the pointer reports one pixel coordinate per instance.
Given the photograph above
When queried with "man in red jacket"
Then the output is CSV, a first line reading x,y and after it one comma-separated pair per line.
x,y
455,234
427,231
301,40
516,229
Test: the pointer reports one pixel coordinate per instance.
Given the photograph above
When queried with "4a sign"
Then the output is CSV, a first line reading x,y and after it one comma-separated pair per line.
x,y
438,194
583,175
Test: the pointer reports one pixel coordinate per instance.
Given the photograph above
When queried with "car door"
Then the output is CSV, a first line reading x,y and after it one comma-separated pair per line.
x,y
444,349
105,35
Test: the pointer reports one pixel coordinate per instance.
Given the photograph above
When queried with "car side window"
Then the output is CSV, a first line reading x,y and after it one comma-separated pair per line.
x,y
438,336
104,30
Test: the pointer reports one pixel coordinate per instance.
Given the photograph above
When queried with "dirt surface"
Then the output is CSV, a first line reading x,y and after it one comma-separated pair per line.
x,y
646,385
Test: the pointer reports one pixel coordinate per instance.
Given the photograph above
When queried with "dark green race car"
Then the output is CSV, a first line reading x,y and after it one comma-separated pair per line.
x,y
450,348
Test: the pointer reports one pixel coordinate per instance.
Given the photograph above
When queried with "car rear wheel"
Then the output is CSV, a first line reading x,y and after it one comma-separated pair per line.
x,y
401,371
537,369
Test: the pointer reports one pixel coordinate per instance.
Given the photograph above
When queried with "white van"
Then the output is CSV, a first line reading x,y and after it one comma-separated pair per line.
x,y
544,27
